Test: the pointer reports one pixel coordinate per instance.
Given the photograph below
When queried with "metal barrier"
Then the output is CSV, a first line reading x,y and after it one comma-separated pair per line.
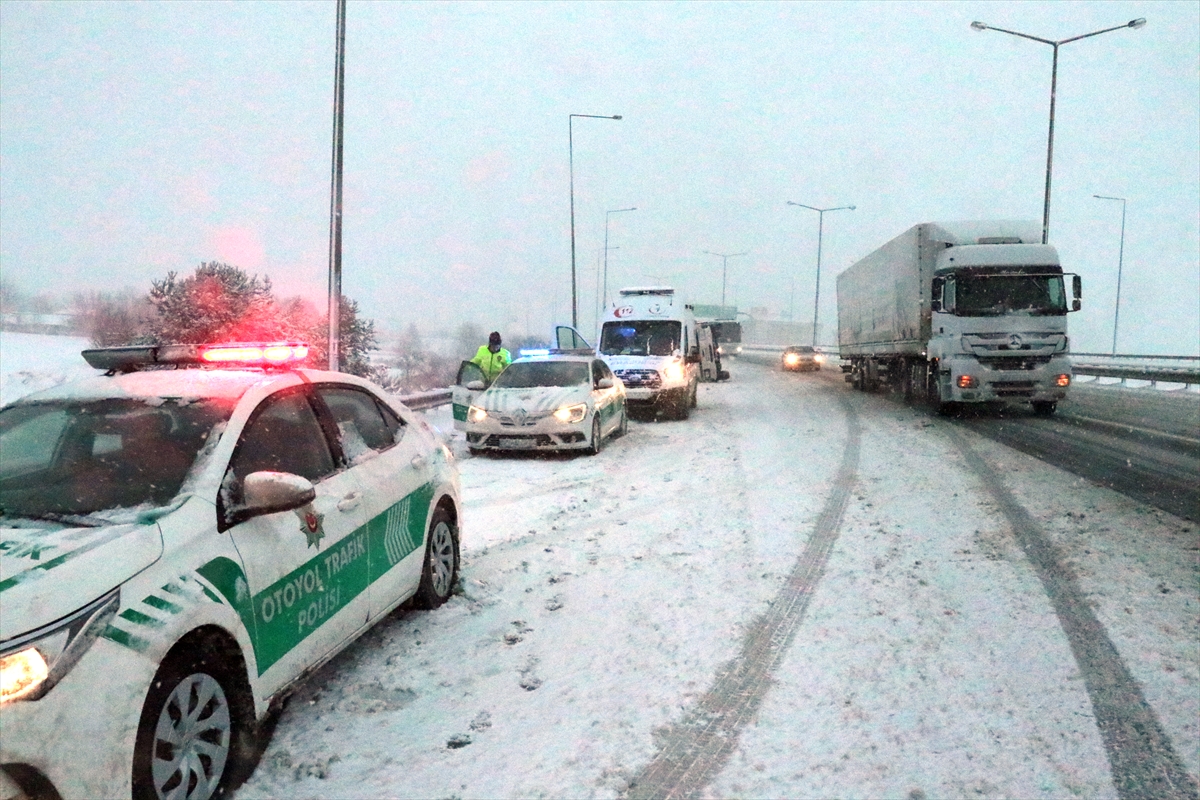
x,y
1161,371
420,401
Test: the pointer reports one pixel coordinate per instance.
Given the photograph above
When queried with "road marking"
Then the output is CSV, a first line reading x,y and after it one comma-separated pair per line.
x,y
696,749
1139,752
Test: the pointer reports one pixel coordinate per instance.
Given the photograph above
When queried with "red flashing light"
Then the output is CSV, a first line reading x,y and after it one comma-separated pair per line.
x,y
268,354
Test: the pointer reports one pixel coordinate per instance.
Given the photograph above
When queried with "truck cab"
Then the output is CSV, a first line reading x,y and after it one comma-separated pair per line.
x,y
650,339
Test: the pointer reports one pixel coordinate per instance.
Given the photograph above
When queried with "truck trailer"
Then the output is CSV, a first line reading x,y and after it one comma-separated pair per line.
x,y
960,312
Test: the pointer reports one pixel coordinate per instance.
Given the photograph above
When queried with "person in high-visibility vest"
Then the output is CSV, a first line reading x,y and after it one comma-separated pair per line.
x,y
491,357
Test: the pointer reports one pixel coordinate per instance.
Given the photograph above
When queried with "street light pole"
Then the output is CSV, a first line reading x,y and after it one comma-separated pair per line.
x,y
820,234
724,263
606,215
335,192
571,161
980,26
1120,263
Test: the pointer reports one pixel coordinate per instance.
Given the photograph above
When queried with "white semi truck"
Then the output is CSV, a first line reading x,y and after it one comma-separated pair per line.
x,y
960,312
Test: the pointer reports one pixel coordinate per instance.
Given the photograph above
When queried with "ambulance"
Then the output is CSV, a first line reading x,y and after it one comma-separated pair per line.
x,y
650,339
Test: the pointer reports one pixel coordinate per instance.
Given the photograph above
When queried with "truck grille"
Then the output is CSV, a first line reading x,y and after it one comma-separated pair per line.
x,y
1006,364
640,378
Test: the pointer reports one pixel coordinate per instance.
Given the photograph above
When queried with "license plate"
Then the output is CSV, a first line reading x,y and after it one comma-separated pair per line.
x,y
518,444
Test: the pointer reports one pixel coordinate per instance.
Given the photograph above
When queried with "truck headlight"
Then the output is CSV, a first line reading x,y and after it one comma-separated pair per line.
x,y
568,414
967,382
476,414
674,372
31,664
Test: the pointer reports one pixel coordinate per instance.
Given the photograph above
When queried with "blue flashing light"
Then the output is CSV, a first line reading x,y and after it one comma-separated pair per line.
x,y
535,352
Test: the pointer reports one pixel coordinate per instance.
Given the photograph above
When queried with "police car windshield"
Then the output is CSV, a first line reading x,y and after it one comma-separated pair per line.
x,y
640,338
528,374
75,457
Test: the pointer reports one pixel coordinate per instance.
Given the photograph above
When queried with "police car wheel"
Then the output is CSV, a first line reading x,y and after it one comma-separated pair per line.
x,y
440,571
196,728
695,391
623,428
597,441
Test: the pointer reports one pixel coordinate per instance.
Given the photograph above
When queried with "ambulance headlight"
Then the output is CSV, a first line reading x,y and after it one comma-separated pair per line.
x,y
476,414
31,664
569,414
674,372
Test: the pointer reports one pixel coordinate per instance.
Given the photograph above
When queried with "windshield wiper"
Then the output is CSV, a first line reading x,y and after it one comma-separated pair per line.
x,y
78,520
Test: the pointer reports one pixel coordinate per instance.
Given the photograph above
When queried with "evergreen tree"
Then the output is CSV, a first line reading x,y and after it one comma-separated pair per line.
x,y
356,339
219,303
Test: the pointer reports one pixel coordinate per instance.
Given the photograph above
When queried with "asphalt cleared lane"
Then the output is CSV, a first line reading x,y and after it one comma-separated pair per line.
x,y
1141,442
1158,467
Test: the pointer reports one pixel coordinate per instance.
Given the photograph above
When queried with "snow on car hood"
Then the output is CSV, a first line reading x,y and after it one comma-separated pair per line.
x,y
46,573
535,400
638,362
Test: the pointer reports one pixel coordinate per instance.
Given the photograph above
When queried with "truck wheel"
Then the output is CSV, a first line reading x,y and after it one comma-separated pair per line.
x,y
440,570
196,729
1045,408
683,405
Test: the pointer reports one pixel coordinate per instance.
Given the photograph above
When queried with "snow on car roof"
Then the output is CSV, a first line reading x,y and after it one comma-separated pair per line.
x,y
184,383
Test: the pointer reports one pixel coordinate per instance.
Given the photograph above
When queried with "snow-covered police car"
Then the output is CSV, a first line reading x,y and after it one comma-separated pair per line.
x,y
550,401
178,546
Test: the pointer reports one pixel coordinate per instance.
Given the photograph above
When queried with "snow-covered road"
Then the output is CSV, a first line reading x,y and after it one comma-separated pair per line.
x,y
924,655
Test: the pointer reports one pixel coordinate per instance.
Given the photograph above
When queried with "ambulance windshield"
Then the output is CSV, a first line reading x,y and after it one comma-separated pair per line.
x,y
651,337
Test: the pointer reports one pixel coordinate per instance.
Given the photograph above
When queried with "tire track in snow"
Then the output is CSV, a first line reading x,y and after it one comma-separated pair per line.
x,y
696,749
1140,754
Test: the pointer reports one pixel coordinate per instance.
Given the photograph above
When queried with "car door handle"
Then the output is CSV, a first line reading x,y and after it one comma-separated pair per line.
x,y
350,501
418,461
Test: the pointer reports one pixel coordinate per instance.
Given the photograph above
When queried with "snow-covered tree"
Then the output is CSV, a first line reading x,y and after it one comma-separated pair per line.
x,y
218,303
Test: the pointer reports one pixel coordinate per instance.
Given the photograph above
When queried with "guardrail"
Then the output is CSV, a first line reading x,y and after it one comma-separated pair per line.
x,y
419,401
1153,372
1162,369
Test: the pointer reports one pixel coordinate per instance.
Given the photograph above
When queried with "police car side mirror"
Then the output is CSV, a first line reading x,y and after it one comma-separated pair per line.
x,y
476,386
604,383
270,492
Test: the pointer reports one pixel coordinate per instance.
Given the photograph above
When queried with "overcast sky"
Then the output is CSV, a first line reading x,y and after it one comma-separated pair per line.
x,y
137,138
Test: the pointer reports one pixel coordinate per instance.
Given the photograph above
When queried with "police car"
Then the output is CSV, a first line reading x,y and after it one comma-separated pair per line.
x,y
183,539
547,401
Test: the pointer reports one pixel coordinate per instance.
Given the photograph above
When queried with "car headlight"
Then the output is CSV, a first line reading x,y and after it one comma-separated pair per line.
x,y
674,372
476,414
791,359
820,359
568,414
31,664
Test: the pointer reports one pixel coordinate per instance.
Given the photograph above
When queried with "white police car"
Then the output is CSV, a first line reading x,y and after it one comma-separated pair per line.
x,y
548,401
179,546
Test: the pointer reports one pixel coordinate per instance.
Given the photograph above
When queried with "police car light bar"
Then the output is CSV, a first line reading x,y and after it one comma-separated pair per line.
x,y
254,354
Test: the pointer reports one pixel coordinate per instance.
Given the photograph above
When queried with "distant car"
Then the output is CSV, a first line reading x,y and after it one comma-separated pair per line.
x,y
548,402
180,546
801,357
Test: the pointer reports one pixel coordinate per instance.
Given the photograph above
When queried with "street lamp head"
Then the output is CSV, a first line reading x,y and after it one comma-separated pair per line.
x,y
1137,23
852,207
979,26
618,116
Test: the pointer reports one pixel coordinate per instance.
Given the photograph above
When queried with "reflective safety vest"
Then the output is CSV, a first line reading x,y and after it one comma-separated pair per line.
x,y
491,363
